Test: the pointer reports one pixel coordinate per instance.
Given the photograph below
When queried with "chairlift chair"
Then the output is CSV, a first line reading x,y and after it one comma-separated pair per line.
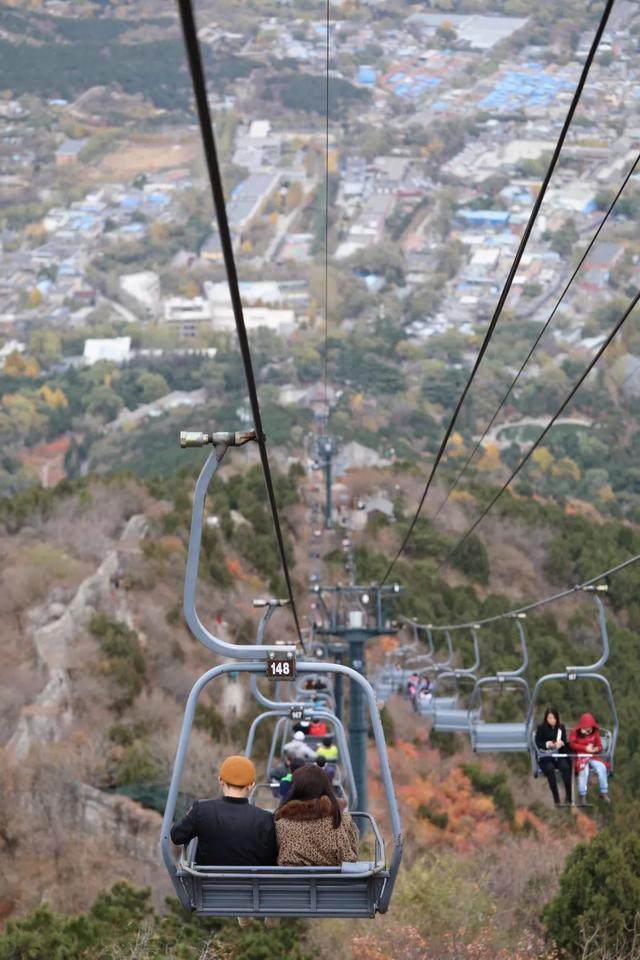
x,y
456,719
359,889
425,706
572,674
501,737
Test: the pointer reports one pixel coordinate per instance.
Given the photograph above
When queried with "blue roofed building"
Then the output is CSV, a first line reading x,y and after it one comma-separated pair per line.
x,y
498,219
367,76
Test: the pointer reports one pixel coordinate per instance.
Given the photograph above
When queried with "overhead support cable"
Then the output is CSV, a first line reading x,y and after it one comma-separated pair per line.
x,y
326,226
508,614
514,473
511,275
215,179
541,334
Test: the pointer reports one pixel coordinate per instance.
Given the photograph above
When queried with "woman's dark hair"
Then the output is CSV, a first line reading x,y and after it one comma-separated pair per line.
x,y
327,741
553,711
312,783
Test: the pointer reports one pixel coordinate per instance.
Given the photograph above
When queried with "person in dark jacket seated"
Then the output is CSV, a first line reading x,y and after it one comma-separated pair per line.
x,y
551,737
231,831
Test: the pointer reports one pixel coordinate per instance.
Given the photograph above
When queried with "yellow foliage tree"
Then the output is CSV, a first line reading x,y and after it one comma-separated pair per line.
x,y
356,403
456,445
542,459
605,493
54,397
18,366
490,459
566,467
34,299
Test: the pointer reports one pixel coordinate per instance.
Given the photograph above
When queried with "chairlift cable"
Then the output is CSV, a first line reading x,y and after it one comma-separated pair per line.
x,y
545,431
511,276
215,178
326,229
541,334
508,614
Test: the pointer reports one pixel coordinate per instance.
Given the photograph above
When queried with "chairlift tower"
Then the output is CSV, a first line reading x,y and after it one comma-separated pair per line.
x,y
326,449
352,616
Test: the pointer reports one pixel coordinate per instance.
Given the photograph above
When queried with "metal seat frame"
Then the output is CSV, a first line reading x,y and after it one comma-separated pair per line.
x,y
358,890
501,737
455,719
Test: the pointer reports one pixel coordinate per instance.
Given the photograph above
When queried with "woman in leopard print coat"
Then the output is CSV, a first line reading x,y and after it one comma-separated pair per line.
x,y
310,827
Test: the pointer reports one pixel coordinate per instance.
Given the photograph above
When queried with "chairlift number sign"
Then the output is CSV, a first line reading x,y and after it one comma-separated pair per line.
x,y
281,666
296,714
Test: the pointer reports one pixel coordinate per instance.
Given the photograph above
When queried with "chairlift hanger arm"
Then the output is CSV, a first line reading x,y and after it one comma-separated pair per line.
x,y
218,646
462,672
604,638
503,675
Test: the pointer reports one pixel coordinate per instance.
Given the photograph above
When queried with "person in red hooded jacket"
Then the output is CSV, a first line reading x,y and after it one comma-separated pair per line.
x,y
585,740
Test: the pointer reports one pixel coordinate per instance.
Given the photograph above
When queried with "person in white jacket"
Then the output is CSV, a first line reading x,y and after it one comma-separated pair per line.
x,y
298,749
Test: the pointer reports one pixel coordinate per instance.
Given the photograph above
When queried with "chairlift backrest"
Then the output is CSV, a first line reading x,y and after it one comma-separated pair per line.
x,y
221,647
502,678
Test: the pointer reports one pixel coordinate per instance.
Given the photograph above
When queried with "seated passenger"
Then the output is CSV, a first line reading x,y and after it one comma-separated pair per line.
x,y
285,781
230,830
585,739
412,685
318,728
328,749
311,828
551,736
297,748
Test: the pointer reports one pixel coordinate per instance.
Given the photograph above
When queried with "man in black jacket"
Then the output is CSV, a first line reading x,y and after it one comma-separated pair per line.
x,y
230,830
